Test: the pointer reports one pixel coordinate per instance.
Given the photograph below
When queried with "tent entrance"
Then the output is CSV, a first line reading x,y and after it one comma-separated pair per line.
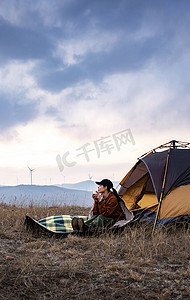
x,y
140,194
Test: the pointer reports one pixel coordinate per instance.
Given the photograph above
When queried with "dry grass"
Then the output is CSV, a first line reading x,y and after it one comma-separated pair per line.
x,y
129,265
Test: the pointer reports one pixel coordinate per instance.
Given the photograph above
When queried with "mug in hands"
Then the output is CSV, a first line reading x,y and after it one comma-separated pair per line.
x,y
95,196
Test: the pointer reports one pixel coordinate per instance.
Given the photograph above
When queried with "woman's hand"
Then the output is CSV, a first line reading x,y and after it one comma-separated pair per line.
x,y
96,197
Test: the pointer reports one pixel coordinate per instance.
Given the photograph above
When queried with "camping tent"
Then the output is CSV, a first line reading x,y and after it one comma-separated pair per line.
x,y
157,188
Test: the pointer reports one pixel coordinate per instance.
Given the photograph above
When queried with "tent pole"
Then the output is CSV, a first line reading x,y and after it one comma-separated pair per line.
x,y
162,191
184,144
151,151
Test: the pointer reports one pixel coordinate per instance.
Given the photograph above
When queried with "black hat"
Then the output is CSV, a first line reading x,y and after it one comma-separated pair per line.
x,y
105,182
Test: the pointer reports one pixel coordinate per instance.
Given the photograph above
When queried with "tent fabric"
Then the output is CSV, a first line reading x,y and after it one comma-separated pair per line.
x,y
147,177
133,192
176,203
149,216
155,164
179,169
139,171
148,199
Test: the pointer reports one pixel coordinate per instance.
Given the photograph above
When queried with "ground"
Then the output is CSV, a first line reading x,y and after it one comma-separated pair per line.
x,y
128,265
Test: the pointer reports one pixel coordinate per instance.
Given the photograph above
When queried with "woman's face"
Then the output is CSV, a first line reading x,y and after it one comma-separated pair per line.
x,y
102,189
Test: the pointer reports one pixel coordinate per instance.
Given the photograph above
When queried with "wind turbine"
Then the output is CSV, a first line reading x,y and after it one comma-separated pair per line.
x,y
89,176
31,170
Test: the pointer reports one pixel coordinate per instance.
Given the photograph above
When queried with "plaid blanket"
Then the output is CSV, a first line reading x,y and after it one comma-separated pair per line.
x,y
54,224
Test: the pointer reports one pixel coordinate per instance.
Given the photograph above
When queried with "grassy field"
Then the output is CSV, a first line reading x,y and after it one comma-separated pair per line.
x,y
129,265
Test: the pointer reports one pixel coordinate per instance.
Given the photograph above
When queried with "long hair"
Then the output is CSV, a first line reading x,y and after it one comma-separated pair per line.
x,y
114,192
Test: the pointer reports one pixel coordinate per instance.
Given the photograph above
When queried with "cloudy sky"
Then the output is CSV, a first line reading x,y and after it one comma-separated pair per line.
x,y
87,86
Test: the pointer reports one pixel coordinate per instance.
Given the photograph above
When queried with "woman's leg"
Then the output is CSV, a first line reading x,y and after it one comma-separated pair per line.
x,y
99,223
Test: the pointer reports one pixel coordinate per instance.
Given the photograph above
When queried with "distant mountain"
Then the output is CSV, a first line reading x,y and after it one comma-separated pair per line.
x,y
87,185
63,194
44,195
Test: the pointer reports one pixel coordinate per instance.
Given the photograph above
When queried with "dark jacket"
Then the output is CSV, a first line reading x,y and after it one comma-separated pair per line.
x,y
109,207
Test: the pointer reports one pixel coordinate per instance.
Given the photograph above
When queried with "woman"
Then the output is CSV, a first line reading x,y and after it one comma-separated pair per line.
x,y
106,210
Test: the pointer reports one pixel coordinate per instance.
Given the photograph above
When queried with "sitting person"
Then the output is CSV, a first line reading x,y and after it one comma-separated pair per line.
x,y
106,211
